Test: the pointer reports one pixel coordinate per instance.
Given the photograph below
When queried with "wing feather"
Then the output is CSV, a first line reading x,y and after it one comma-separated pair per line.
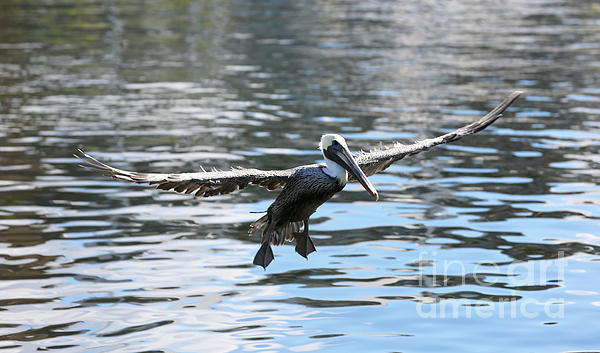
x,y
379,159
201,184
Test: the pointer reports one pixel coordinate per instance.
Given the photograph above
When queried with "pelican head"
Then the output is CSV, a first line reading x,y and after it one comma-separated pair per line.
x,y
339,162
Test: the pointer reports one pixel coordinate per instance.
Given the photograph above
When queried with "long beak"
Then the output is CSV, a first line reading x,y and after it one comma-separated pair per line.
x,y
342,156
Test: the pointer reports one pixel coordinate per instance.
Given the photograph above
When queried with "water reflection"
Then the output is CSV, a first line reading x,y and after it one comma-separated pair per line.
x,y
506,222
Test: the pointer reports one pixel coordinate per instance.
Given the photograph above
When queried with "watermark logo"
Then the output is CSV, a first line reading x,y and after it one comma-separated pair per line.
x,y
502,290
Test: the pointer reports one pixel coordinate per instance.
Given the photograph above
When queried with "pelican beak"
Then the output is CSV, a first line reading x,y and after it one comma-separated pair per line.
x,y
342,156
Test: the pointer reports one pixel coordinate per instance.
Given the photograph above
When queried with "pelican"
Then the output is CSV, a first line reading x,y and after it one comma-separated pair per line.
x,y
305,187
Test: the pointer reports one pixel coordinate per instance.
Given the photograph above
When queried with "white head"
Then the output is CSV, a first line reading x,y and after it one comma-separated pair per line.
x,y
333,169
327,140
339,162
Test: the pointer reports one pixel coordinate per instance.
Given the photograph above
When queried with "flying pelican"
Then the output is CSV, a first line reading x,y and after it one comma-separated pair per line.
x,y
305,187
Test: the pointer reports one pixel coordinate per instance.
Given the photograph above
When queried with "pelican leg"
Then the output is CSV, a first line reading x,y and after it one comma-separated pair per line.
x,y
264,255
304,244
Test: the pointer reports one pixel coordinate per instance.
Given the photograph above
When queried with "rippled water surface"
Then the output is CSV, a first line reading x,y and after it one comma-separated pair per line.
x,y
488,244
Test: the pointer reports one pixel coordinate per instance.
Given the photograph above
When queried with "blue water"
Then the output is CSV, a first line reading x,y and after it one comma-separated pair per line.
x,y
490,244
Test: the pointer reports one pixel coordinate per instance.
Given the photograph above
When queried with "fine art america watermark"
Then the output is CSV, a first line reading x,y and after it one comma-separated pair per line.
x,y
497,288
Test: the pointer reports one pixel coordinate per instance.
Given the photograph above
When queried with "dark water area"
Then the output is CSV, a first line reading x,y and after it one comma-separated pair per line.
x,y
488,244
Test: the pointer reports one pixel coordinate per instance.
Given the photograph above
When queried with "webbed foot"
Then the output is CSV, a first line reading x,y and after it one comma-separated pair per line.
x,y
264,255
304,244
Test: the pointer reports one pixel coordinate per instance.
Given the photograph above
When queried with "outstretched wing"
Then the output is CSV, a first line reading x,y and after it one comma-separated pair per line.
x,y
377,160
202,184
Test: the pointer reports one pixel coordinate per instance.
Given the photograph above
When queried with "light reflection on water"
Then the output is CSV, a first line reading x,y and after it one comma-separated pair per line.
x,y
488,244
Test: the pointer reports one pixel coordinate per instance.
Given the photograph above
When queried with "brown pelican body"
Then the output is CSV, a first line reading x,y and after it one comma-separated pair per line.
x,y
308,188
291,210
305,188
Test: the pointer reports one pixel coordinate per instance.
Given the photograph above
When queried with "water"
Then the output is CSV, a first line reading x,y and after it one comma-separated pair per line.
x,y
490,244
